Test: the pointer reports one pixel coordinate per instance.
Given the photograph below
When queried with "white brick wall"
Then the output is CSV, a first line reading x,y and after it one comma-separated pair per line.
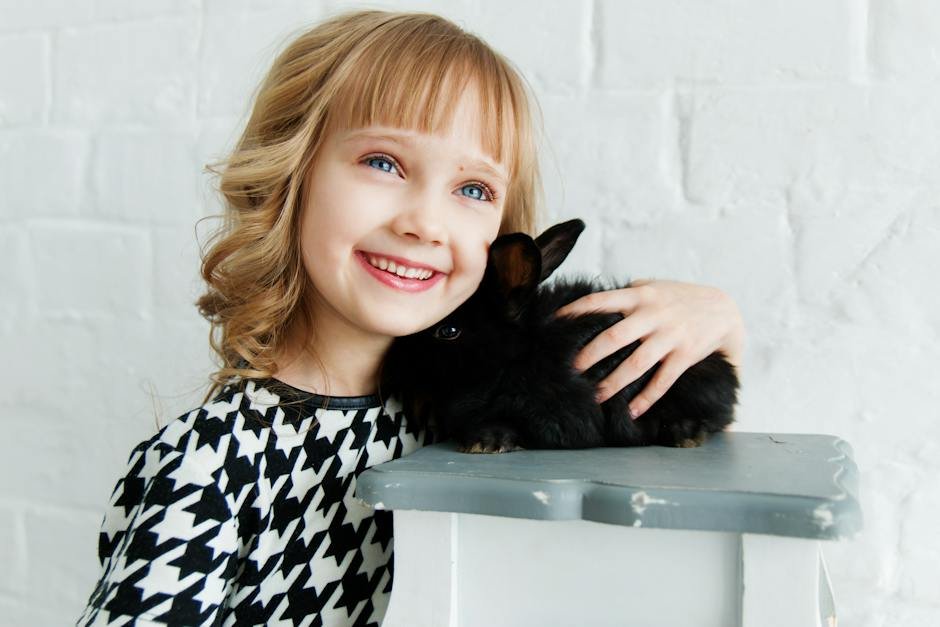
x,y
786,152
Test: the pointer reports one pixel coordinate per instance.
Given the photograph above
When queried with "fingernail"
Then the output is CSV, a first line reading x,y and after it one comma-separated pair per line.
x,y
599,396
634,413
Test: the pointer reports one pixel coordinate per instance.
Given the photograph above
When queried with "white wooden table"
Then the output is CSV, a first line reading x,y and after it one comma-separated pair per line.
x,y
726,534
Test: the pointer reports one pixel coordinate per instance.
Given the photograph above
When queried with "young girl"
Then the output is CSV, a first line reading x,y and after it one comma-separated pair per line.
x,y
384,153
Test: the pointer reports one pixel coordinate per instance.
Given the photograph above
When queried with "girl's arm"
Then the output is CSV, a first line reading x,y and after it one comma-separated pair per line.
x,y
679,324
167,544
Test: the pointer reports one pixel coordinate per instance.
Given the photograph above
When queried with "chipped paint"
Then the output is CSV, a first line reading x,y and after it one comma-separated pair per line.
x,y
640,500
822,516
542,496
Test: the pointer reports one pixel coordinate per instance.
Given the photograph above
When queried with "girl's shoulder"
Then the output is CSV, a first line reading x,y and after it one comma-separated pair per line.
x,y
246,414
229,415
253,422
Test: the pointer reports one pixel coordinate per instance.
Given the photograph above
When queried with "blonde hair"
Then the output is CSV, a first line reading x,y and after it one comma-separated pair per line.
x,y
355,69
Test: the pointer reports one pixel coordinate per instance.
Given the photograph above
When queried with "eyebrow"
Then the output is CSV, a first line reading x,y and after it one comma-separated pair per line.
x,y
405,140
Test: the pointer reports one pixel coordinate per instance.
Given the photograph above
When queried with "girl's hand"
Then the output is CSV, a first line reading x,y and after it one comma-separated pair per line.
x,y
679,324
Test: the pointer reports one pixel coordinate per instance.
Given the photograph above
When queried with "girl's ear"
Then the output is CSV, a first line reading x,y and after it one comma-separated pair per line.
x,y
513,270
555,244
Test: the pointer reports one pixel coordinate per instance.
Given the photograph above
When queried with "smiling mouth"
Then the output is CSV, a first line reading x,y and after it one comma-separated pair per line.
x,y
400,271
400,279
398,266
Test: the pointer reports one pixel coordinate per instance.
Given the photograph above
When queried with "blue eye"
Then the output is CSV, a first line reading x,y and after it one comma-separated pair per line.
x,y
479,187
381,160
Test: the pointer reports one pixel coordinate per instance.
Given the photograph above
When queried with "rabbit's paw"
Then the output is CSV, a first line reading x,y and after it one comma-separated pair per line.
x,y
692,442
491,440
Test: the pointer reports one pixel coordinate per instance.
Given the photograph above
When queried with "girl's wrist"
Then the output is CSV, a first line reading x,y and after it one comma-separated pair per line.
x,y
734,349
733,346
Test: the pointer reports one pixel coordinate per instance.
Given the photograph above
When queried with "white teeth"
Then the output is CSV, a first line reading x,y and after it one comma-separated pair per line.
x,y
402,271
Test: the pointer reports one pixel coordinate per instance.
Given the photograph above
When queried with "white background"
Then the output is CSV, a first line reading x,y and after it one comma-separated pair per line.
x,y
784,151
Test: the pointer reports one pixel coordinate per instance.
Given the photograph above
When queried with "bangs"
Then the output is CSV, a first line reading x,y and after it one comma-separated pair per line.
x,y
413,80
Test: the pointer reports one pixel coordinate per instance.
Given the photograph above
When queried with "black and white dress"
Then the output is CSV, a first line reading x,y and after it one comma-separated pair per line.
x,y
241,512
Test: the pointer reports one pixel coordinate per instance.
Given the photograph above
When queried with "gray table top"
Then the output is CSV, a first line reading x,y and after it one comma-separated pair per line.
x,y
800,485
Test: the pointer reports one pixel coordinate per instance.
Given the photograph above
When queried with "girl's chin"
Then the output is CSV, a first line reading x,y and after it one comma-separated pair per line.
x,y
401,319
393,328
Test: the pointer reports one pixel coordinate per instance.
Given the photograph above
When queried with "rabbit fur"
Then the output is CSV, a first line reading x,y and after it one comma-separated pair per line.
x,y
496,375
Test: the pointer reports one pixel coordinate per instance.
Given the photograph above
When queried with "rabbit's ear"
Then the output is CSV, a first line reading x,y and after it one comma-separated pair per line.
x,y
556,242
513,270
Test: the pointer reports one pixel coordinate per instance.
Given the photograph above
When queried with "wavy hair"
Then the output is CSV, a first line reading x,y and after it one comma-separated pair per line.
x,y
355,69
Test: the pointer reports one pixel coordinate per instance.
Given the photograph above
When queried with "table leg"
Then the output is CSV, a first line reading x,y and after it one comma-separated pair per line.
x,y
424,588
784,582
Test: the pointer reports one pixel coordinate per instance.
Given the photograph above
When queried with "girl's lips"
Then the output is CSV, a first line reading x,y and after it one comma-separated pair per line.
x,y
395,281
400,261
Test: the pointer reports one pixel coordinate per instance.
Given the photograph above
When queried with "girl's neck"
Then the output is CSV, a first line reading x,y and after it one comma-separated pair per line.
x,y
348,365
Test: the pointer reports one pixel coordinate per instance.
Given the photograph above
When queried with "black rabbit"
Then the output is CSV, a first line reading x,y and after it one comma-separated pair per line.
x,y
496,375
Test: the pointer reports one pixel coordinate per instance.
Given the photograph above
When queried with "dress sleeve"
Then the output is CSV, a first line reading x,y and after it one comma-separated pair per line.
x,y
167,546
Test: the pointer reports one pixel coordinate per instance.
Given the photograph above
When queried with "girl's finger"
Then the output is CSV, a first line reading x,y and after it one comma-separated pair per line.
x,y
653,349
670,370
624,300
613,338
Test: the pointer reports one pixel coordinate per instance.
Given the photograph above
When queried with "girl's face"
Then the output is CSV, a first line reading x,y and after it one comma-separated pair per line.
x,y
427,201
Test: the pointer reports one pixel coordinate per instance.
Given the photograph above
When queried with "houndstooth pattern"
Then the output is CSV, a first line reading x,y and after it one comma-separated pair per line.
x,y
241,512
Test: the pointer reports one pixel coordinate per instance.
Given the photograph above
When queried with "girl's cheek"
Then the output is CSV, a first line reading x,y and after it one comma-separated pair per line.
x,y
472,252
483,236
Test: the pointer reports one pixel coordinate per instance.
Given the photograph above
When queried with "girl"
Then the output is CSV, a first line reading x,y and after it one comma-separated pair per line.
x,y
384,153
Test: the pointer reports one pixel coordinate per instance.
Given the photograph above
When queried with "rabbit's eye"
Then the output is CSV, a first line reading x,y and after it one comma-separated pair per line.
x,y
446,332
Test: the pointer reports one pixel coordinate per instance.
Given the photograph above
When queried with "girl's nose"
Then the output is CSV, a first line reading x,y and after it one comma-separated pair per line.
x,y
423,220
